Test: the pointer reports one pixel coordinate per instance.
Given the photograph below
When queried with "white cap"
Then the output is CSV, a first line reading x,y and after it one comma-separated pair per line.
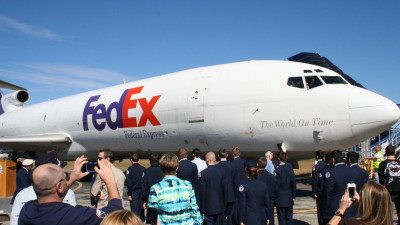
x,y
27,162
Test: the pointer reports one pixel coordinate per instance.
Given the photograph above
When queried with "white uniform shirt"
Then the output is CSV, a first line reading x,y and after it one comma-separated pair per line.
x,y
27,194
201,164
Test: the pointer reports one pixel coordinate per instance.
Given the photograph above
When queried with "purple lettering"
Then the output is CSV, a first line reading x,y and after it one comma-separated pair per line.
x,y
89,110
100,113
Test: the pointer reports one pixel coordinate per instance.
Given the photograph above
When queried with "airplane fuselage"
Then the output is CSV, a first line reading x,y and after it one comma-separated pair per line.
x,y
252,105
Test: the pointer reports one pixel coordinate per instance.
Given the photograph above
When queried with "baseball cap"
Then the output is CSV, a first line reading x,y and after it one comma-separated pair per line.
x,y
27,162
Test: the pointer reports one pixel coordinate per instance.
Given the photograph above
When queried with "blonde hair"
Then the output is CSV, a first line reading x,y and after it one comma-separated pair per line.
x,y
236,151
183,153
375,205
122,217
169,163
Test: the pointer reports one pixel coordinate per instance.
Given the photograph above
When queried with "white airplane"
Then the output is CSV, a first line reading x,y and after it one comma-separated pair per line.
x,y
255,105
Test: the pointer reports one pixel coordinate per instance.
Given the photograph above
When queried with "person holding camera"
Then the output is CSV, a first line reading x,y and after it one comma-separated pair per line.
x,y
51,184
99,188
375,206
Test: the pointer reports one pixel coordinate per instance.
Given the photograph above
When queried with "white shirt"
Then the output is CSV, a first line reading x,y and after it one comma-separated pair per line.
x,y
201,164
27,194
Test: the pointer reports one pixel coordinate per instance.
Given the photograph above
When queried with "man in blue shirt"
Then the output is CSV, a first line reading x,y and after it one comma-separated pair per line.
x,y
286,190
270,168
51,184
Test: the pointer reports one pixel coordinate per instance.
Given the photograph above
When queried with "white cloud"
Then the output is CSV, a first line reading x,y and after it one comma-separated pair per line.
x,y
33,31
71,78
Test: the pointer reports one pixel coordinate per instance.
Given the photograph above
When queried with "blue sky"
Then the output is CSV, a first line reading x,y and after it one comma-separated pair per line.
x,y
59,48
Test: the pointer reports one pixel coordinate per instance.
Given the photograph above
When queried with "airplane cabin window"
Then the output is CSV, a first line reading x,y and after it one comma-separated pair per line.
x,y
333,80
295,82
313,81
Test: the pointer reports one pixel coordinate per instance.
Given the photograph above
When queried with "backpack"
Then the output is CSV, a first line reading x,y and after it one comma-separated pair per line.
x,y
392,175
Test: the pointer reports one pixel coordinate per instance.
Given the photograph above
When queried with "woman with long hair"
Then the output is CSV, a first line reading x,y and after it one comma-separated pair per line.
x,y
375,206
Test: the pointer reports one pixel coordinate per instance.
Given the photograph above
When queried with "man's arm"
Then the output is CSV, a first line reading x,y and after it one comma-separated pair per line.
x,y
105,172
76,173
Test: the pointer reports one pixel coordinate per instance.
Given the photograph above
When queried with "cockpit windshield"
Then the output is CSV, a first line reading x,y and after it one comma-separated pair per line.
x,y
295,82
333,80
313,81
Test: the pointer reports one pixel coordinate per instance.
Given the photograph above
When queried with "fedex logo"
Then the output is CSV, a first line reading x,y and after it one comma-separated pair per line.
x,y
101,115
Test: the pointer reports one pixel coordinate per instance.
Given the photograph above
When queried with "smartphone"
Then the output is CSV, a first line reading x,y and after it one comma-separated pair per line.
x,y
90,167
351,188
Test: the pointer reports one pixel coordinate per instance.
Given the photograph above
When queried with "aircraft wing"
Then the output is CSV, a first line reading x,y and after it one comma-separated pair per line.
x,y
33,142
7,85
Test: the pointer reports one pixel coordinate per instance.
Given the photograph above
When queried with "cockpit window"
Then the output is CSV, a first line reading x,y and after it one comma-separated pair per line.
x,y
295,82
313,81
333,80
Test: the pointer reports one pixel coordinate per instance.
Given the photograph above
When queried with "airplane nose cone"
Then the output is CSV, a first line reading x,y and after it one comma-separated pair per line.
x,y
371,113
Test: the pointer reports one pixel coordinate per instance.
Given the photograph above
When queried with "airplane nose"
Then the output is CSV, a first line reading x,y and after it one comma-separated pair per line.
x,y
370,113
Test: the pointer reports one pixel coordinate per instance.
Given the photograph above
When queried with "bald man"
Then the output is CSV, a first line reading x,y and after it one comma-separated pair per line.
x,y
213,189
51,184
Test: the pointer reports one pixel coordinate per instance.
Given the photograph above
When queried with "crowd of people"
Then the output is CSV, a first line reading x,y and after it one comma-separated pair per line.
x,y
176,190
338,204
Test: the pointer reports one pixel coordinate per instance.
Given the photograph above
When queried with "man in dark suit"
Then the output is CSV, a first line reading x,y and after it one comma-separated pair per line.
x,y
238,168
24,177
134,184
213,192
315,174
225,165
271,182
286,190
321,190
152,175
238,175
335,184
188,170
358,176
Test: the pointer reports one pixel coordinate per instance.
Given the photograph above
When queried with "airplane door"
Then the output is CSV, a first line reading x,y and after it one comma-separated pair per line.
x,y
196,101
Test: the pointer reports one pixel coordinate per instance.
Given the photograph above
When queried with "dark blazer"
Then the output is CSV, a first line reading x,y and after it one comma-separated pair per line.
x,y
134,176
336,180
316,171
24,180
238,173
213,190
226,166
286,185
359,177
152,175
188,171
272,186
253,202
